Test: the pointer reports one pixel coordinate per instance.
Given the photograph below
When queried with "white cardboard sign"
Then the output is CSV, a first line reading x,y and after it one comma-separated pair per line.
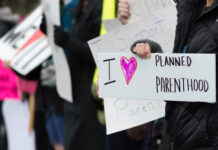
x,y
32,56
122,114
63,77
140,9
25,45
159,28
171,77
112,24
145,8
156,23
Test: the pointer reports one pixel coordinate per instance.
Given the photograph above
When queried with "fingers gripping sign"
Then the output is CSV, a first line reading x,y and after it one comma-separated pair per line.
x,y
124,11
143,50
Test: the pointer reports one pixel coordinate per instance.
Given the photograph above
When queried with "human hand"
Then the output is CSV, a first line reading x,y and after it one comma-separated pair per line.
x,y
143,50
124,11
97,90
6,64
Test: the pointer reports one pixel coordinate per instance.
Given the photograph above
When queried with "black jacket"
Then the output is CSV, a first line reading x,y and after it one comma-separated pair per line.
x,y
82,65
193,126
82,129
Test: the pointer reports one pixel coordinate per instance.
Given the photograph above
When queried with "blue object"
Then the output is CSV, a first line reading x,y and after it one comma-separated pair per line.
x,y
55,126
67,19
66,15
184,49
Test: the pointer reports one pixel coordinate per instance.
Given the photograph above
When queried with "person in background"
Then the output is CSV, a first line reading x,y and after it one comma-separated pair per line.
x,y
190,126
48,100
83,130
137,138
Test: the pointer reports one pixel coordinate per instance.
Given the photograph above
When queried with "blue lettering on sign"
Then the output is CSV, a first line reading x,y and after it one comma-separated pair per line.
x,y
152,31
96,43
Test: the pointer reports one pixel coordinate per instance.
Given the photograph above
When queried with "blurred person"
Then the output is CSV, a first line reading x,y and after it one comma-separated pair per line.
x,y
140,137
82,129
48,100
189,125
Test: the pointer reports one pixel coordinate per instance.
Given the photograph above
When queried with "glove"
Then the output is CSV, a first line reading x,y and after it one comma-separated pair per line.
x,y
43,25
214,32
60,37
155,47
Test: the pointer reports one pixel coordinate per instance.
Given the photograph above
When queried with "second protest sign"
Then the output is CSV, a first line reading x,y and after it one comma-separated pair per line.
x,y
172,77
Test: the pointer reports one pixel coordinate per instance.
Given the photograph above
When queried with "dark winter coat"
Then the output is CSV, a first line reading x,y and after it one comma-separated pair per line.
x,y
83,131
193,126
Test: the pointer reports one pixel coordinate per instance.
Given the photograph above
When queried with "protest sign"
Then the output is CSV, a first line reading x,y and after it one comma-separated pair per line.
x,y
111,24
145,8
159,28
32,55
157,23
25,45
16,118
64,87
139,9
122,114
172,77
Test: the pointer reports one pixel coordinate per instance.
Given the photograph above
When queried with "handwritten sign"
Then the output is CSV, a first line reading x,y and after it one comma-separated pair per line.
x,y
172,77
64,86
159,28
140,9
157,23
112,24
146,8
122,114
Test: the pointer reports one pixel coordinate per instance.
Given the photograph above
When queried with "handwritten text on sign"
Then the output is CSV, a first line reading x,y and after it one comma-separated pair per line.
x,y
146,8
159,28
122,114
172,77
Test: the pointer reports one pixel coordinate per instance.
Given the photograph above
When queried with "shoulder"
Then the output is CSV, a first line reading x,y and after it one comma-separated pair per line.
x,y
189,5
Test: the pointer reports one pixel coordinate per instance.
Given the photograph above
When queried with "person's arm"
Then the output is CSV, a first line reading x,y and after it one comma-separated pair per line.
x,y
69,41
72,43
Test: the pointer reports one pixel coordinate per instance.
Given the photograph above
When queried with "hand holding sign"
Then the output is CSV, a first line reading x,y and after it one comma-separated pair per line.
x,y
124,11
143,50
172,77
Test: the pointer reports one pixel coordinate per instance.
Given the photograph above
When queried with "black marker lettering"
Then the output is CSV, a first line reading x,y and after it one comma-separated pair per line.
x,y
109,71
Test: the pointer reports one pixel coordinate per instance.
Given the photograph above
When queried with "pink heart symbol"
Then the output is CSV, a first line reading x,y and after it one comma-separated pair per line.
x,y
129,67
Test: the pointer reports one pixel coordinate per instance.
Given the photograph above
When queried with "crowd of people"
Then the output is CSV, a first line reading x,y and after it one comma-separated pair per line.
x,y
61,125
